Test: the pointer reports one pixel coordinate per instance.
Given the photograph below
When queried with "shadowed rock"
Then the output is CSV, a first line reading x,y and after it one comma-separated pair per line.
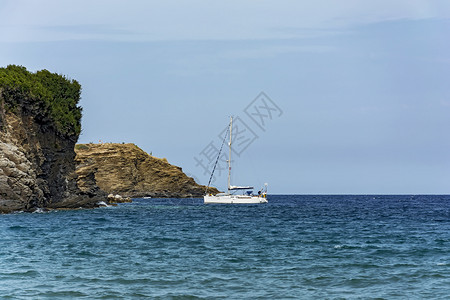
x,y
39,126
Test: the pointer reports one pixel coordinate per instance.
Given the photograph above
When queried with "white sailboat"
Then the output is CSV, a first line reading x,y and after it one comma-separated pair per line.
x,y
230,197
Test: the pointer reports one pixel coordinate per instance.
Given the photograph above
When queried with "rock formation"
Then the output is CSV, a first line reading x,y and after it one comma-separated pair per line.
x,y
127,170
39,126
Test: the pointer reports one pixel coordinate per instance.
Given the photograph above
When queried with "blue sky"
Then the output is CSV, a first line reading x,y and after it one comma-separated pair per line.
x,y
363,88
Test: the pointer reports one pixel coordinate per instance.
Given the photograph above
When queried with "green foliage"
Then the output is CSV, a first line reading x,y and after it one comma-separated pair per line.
x,y
52,95
81,147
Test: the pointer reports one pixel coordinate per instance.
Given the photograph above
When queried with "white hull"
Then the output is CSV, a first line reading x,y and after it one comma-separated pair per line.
x,y
234,199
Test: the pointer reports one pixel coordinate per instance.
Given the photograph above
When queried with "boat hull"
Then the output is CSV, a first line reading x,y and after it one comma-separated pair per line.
x,y
234,199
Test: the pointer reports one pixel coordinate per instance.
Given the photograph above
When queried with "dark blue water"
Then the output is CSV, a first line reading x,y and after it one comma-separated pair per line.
x,y
293,247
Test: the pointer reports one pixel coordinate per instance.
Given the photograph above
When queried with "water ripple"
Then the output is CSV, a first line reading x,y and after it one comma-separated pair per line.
x,y
336,247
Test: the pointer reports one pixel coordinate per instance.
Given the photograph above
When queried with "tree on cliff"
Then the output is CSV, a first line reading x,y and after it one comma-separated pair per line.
x,y
54,95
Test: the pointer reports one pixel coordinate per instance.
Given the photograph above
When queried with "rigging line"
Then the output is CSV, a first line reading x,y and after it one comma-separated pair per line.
x,y
215,164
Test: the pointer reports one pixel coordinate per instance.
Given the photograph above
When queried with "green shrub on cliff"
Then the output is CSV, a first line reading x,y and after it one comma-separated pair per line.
x,y
51,95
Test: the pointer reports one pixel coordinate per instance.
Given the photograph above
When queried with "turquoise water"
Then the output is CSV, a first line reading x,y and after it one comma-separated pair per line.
x,y
308,247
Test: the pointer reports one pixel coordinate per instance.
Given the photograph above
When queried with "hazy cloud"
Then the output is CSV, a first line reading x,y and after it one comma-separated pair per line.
x,y
27,20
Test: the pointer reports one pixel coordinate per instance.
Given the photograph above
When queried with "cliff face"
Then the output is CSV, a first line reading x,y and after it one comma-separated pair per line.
x,y
39,126
37,168
127,170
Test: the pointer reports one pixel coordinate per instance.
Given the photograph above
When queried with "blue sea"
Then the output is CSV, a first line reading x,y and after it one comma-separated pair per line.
x,y
294,247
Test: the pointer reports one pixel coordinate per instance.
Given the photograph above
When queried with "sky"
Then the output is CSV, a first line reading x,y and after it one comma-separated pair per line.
x,y
329,97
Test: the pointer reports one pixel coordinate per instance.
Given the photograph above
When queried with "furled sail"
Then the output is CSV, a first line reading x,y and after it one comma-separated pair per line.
x,y
233,187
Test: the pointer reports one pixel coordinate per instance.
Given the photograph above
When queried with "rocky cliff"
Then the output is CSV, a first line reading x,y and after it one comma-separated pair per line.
x,y
39,126
127,170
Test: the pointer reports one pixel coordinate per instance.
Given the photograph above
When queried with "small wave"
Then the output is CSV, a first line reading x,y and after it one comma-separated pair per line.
x,y
180,296
16,227
103,203
58,294
29,273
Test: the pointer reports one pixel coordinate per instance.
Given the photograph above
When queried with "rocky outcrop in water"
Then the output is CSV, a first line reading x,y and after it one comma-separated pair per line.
x,y
39,126
127,170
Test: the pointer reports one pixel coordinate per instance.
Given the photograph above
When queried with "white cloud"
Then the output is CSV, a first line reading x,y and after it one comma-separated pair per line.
x,y
28,20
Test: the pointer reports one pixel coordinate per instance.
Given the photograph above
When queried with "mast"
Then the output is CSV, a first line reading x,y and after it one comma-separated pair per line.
x,y
229,156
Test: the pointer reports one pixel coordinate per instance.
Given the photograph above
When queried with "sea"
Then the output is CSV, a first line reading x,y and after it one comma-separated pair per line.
x,y
294,247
